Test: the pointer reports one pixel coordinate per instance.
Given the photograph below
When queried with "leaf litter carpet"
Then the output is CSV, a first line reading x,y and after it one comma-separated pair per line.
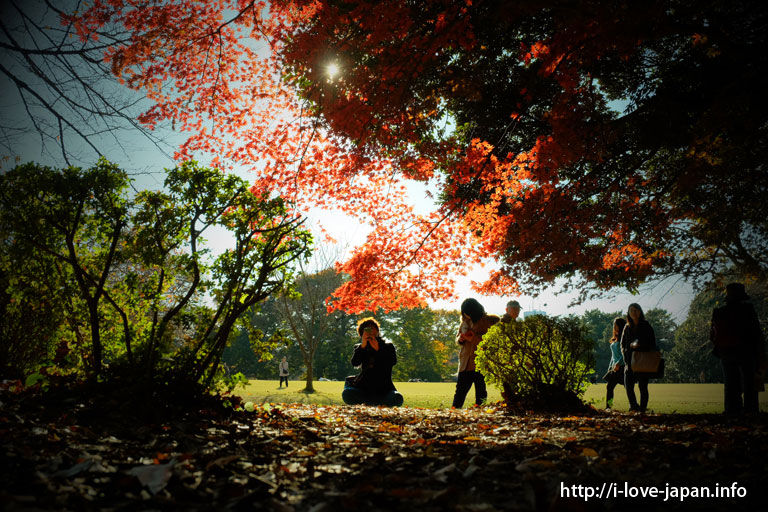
x,y
333,458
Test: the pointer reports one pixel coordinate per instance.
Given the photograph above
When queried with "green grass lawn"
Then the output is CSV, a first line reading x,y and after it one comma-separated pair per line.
x,y
664,398
671,398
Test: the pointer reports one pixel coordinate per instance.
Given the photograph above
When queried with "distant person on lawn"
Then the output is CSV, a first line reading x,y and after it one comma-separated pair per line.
x,y
375,357
738,342
475,322
284,371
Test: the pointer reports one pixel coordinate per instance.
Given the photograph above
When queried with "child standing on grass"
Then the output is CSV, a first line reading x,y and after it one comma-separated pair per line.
x,y
475,322
615,373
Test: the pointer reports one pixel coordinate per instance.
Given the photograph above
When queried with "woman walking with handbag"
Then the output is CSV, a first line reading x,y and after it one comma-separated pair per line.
x,y
615,373
638,336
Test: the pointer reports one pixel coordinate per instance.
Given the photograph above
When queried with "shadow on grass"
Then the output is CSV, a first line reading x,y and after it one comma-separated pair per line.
x,y
295,396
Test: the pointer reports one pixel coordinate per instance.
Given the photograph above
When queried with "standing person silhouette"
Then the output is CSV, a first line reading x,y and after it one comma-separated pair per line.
x,y
475,322
511,316
283,373
738,342
615,373
637,336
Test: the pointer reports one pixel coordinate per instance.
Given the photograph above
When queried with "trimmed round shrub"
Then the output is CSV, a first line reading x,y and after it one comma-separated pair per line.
x,y
540,363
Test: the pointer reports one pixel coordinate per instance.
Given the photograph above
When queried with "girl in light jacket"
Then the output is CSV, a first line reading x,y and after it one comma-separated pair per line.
x,y
615,373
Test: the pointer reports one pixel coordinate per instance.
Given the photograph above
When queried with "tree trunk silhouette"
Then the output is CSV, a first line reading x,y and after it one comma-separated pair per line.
x,y
310,388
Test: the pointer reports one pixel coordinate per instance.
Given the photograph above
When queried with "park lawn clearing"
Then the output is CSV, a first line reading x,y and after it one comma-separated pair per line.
x,y
429,395
670,398
664,398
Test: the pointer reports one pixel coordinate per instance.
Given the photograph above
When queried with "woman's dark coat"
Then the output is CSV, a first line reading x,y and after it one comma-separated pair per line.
x,y
645,336
376,366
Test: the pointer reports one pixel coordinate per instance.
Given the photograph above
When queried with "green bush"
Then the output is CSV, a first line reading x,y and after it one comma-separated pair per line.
x,y
103,289
541,363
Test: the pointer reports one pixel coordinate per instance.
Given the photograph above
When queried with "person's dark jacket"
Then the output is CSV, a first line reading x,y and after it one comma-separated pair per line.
x,y
643,333
375,366
740,334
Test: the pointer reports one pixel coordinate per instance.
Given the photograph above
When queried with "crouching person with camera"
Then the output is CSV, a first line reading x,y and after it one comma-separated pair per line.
x,y
375,357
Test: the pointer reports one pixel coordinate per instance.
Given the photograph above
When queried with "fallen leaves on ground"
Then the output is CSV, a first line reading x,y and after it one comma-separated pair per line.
x,y
331,458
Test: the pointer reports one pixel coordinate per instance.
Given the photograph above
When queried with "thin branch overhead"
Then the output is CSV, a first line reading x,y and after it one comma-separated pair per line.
x,y
59,86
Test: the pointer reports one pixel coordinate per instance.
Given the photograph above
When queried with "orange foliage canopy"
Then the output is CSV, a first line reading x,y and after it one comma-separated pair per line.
x,y
250,83
215,70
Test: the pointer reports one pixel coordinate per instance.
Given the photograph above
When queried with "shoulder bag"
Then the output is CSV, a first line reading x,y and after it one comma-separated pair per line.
x,y
650,364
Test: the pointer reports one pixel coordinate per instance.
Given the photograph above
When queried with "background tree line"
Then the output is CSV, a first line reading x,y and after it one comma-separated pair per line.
x,y
424,339
427,350
96,285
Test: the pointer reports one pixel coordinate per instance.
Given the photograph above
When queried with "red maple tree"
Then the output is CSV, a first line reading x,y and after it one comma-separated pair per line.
x,y
503,108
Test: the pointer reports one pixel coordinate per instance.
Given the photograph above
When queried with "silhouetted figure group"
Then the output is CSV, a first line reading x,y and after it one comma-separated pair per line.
x,y
735,334
737,340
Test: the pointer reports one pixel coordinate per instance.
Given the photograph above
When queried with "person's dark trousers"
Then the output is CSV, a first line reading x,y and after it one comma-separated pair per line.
x,y
356,396
642,384
609,392
739,375
464,382
283,379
